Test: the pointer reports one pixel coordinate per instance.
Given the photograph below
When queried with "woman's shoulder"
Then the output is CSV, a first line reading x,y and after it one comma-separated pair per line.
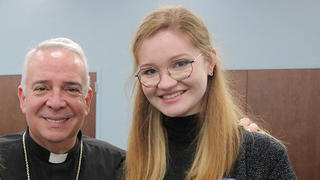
x,y
254,142
262,156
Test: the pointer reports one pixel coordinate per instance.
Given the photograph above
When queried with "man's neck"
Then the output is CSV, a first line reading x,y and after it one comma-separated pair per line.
x,y
56,147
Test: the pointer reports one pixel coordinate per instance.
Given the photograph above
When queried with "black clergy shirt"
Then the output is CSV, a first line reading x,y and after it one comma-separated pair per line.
x,y
100,160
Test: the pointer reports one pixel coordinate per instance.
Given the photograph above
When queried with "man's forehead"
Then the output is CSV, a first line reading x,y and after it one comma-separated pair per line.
x,y
56,76
56,66
50,82
56,53
59,60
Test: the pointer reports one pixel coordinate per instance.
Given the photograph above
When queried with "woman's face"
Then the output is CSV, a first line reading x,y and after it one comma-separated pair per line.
x,y
172,97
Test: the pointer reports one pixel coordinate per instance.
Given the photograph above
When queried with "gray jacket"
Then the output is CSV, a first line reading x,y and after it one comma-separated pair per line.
x,y
262,157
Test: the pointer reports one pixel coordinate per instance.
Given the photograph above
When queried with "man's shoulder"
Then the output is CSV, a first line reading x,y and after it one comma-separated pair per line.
x,y
10,145
100,145
104,155
11,139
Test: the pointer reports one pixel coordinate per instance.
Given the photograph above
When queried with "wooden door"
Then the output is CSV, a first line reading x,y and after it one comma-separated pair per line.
x,y
288,102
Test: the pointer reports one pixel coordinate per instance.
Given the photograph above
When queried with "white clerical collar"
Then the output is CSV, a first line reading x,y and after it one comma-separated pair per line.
x,y
57,158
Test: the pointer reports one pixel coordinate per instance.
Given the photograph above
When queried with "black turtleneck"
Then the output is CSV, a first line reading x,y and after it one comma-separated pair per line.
x,y
261,157
182,141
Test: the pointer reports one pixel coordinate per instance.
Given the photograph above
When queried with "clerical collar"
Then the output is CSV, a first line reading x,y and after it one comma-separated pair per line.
x,y
47,156
57,158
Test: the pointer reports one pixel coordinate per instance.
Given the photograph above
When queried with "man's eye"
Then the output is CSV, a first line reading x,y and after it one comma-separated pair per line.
x,y
149,72
40,89
73,90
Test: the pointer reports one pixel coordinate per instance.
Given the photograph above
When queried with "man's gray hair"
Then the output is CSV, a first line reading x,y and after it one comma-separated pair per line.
x,y
60,43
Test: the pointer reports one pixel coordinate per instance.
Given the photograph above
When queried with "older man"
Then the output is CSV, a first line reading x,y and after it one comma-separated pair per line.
x,y
55,97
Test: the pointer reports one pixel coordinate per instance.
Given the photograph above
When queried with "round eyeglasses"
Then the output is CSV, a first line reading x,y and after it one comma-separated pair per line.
x,y
179,70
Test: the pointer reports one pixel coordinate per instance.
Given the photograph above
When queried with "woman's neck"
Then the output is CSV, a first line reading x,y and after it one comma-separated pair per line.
x,y
182,129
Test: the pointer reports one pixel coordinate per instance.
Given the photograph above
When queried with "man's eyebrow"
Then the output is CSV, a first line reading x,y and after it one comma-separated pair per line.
x,y
65,83
40,82
72,83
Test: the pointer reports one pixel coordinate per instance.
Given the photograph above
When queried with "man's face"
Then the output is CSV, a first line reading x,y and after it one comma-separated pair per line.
x,y
54,101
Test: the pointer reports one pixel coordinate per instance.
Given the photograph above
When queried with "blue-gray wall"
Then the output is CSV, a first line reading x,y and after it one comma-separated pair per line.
x,y
248,34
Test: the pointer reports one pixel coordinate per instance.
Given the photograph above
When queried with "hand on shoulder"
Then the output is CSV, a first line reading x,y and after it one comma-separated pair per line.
x,y
250,126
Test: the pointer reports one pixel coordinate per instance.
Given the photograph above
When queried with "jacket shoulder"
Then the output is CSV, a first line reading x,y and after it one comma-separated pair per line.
x,y
101,145
263,157
10,139
102,159
256,143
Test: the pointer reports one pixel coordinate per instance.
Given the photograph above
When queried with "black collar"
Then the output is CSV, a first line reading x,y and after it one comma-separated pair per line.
x,y
182,129
43,154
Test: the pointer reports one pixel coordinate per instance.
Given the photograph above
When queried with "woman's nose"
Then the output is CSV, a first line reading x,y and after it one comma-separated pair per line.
x,y
166,81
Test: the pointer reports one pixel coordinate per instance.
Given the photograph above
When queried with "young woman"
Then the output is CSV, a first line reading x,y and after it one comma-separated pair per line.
x,y
185,121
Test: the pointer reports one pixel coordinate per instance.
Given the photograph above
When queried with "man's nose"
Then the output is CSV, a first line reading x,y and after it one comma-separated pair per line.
x,y
55,100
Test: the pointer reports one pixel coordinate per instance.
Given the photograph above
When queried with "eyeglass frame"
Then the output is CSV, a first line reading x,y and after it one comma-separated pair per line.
x,y
191,62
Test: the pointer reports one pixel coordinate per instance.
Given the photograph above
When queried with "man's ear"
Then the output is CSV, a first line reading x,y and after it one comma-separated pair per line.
x,y
88,101
22,99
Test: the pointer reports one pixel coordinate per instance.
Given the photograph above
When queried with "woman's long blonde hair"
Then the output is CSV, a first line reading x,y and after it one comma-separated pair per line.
x,y
219,139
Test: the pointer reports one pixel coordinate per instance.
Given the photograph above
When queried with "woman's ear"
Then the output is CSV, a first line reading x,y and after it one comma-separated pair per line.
x,y
212,63
214,51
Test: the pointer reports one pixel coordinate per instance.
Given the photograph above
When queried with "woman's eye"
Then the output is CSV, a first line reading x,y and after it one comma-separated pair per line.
x,y
149,72
181,63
